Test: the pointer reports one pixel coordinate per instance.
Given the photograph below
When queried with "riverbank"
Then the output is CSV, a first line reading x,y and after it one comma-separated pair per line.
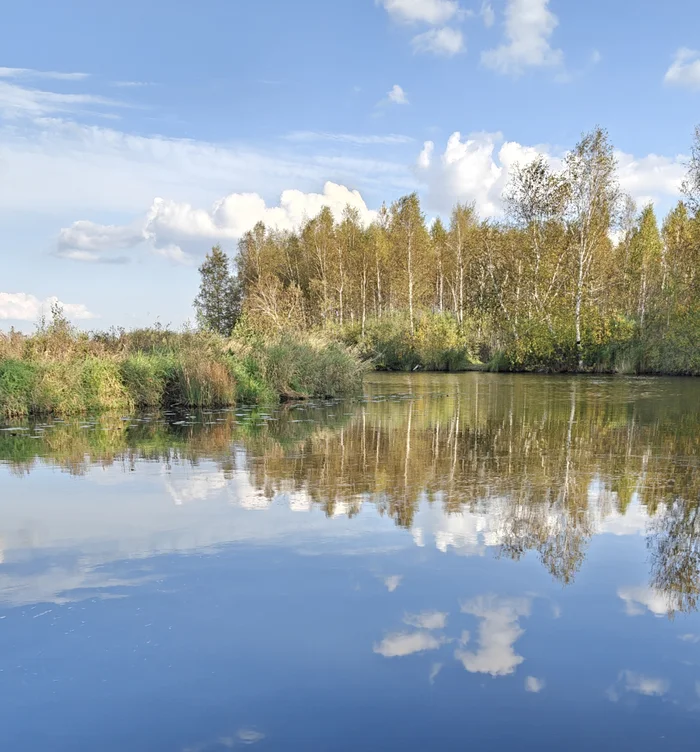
x,y
60,371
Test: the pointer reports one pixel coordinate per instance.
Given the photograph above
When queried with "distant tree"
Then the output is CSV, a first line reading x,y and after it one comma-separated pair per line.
x,y
691,184
218,304
646,259
593,194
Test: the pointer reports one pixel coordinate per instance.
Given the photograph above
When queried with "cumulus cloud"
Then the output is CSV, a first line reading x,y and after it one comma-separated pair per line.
x,y
637,600
397,95
499,629
85,240
392,582
529,24
406,643
533,684
432,12
427,620
174,229
652,177
444,42
21,306
685,69
477,167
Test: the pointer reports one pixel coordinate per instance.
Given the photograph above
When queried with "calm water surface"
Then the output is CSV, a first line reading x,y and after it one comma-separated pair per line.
x,y
473,562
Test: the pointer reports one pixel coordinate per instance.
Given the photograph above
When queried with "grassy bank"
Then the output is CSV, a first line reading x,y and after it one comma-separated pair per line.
x,y
61,371
613,344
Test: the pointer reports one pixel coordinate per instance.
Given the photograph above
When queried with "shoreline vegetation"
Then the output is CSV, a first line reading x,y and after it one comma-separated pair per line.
x,y
575,278
61,371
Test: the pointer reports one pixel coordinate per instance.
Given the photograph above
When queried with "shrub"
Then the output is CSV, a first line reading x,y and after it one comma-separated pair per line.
x,y
145,378
17,380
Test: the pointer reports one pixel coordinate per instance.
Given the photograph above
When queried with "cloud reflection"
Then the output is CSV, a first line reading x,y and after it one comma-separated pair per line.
x,y
498,631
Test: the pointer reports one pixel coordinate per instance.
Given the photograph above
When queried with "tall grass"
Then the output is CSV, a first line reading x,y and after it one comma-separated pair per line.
x,y
61,371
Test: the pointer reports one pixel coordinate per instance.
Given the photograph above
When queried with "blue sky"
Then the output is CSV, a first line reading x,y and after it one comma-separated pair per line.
x,y
134,136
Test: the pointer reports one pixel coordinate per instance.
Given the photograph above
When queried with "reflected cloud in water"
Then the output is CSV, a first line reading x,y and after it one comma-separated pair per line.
x,y
498,631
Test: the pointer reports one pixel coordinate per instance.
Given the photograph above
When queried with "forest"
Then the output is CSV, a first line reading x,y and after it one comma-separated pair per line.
x,y
574,277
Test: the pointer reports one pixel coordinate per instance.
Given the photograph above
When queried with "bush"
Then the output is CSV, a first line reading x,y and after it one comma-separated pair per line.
x,y
145,378
59,370
440,345
17,381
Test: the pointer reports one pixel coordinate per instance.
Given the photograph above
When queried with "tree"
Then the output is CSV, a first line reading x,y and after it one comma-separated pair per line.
x,y
218,303
691,184
438,237
410,242
645,259
536,200
593,198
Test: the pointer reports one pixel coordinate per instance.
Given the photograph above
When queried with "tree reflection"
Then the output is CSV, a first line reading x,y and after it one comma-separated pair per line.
x,y
546,459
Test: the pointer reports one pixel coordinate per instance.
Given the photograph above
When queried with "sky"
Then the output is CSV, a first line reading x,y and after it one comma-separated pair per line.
x,y
135,135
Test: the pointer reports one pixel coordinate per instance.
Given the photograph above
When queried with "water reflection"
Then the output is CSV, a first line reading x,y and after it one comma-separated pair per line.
x,y
432,558
510,464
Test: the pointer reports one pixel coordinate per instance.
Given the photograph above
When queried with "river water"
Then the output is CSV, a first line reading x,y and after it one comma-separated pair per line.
x,y
468,562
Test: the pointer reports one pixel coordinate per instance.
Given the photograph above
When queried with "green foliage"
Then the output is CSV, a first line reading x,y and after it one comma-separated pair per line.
x,y
63,371
307,368
439,344
218,303
17,381
145,377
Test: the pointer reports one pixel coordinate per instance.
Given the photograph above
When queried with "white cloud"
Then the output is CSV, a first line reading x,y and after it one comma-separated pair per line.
x,y
529,24
56,167
477,168
487,14
434,671
427,620
389,139
21,306
470,170
175,229
21,101
432,12
445,42
685,69
498,631
596,57
693,638
652,177
397,95
404,643
131,84
637,599
392,582
532,684
31,73
85,240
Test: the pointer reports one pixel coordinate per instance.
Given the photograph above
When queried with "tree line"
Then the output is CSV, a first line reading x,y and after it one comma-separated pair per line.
x,y
574,275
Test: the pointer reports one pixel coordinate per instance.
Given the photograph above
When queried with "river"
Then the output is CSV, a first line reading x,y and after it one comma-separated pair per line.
x,y
453,562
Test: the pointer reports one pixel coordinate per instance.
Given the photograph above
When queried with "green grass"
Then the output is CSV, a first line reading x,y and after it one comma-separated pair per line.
x,y
62,372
